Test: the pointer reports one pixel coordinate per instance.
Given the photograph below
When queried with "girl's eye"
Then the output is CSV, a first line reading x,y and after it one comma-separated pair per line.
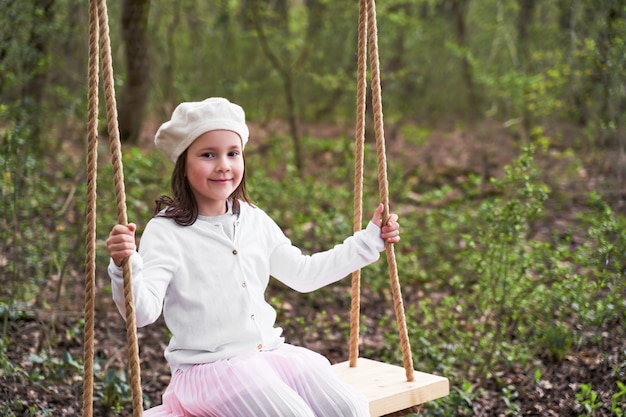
x,y
208,155
233,153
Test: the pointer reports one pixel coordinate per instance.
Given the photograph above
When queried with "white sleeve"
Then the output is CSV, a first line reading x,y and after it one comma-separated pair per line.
x,y
152,270
307,273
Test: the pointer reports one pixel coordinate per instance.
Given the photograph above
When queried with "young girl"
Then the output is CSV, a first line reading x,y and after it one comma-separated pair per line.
x,y
205,260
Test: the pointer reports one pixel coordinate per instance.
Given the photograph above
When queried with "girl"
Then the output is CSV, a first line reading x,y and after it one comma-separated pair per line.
x,y
205,260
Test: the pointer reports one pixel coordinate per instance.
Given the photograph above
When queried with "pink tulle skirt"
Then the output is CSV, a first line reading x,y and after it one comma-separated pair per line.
x,y
284,382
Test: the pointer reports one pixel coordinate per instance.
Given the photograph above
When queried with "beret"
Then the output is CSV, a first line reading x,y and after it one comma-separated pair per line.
x,y
192,119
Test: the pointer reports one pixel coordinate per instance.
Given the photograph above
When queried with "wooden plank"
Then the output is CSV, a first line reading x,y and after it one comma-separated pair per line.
x,y
386,387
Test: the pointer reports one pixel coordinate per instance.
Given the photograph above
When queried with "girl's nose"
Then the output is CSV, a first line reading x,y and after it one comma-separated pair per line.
x,y
222,165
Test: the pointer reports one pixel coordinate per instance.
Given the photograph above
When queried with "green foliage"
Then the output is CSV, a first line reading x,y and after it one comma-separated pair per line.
x,y
9,410
146,177
509,395
44,370
509,295
113,391
588,399
33,203
458,402
557,339
502,259
618,400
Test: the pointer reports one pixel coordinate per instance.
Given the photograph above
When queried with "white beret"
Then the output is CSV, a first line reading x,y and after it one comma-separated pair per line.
x,y
192,119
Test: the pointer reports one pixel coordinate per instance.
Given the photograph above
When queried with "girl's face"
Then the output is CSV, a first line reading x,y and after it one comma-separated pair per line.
x,y
215,168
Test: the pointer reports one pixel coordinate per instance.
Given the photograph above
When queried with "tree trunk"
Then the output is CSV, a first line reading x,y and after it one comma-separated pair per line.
x,y
135,92
35,70
169,75
285,69
524,21
459,13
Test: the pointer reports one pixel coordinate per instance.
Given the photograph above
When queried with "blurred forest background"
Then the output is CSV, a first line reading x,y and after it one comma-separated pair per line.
x,y
506,132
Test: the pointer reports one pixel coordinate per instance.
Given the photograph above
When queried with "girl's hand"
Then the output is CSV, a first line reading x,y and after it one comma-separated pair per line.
x,y
121,242
391,231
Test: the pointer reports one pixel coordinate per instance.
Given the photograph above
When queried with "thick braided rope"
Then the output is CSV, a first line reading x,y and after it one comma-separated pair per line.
x,y
118,178
90,256
359,141
383,187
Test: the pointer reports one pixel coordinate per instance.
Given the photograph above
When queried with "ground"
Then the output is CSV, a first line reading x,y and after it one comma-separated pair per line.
x,y
50,333
552,396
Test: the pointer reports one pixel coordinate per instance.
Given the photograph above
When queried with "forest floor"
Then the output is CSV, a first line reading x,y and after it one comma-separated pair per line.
x,y
49,332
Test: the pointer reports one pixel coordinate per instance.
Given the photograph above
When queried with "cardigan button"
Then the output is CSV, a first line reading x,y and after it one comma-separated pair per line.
x,y
252,317
235,252
259,346
244,284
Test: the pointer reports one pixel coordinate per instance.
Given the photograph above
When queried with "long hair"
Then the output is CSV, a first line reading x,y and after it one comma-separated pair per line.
x,y
182,207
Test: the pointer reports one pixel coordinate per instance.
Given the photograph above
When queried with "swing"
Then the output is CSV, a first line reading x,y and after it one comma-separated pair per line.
x,y
390,389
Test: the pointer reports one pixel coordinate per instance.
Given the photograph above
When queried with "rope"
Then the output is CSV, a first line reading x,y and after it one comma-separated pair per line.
x,y
368,32
358,177
90,257
383,186
100,28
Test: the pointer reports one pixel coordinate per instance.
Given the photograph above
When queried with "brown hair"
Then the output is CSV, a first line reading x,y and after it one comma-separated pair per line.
x,y
182,207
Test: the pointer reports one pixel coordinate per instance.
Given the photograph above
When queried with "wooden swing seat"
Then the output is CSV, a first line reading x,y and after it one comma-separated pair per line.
x,y
387,388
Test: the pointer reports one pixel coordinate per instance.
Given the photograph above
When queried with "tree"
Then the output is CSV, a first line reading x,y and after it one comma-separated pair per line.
x,y
285,69
137,59
458,11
